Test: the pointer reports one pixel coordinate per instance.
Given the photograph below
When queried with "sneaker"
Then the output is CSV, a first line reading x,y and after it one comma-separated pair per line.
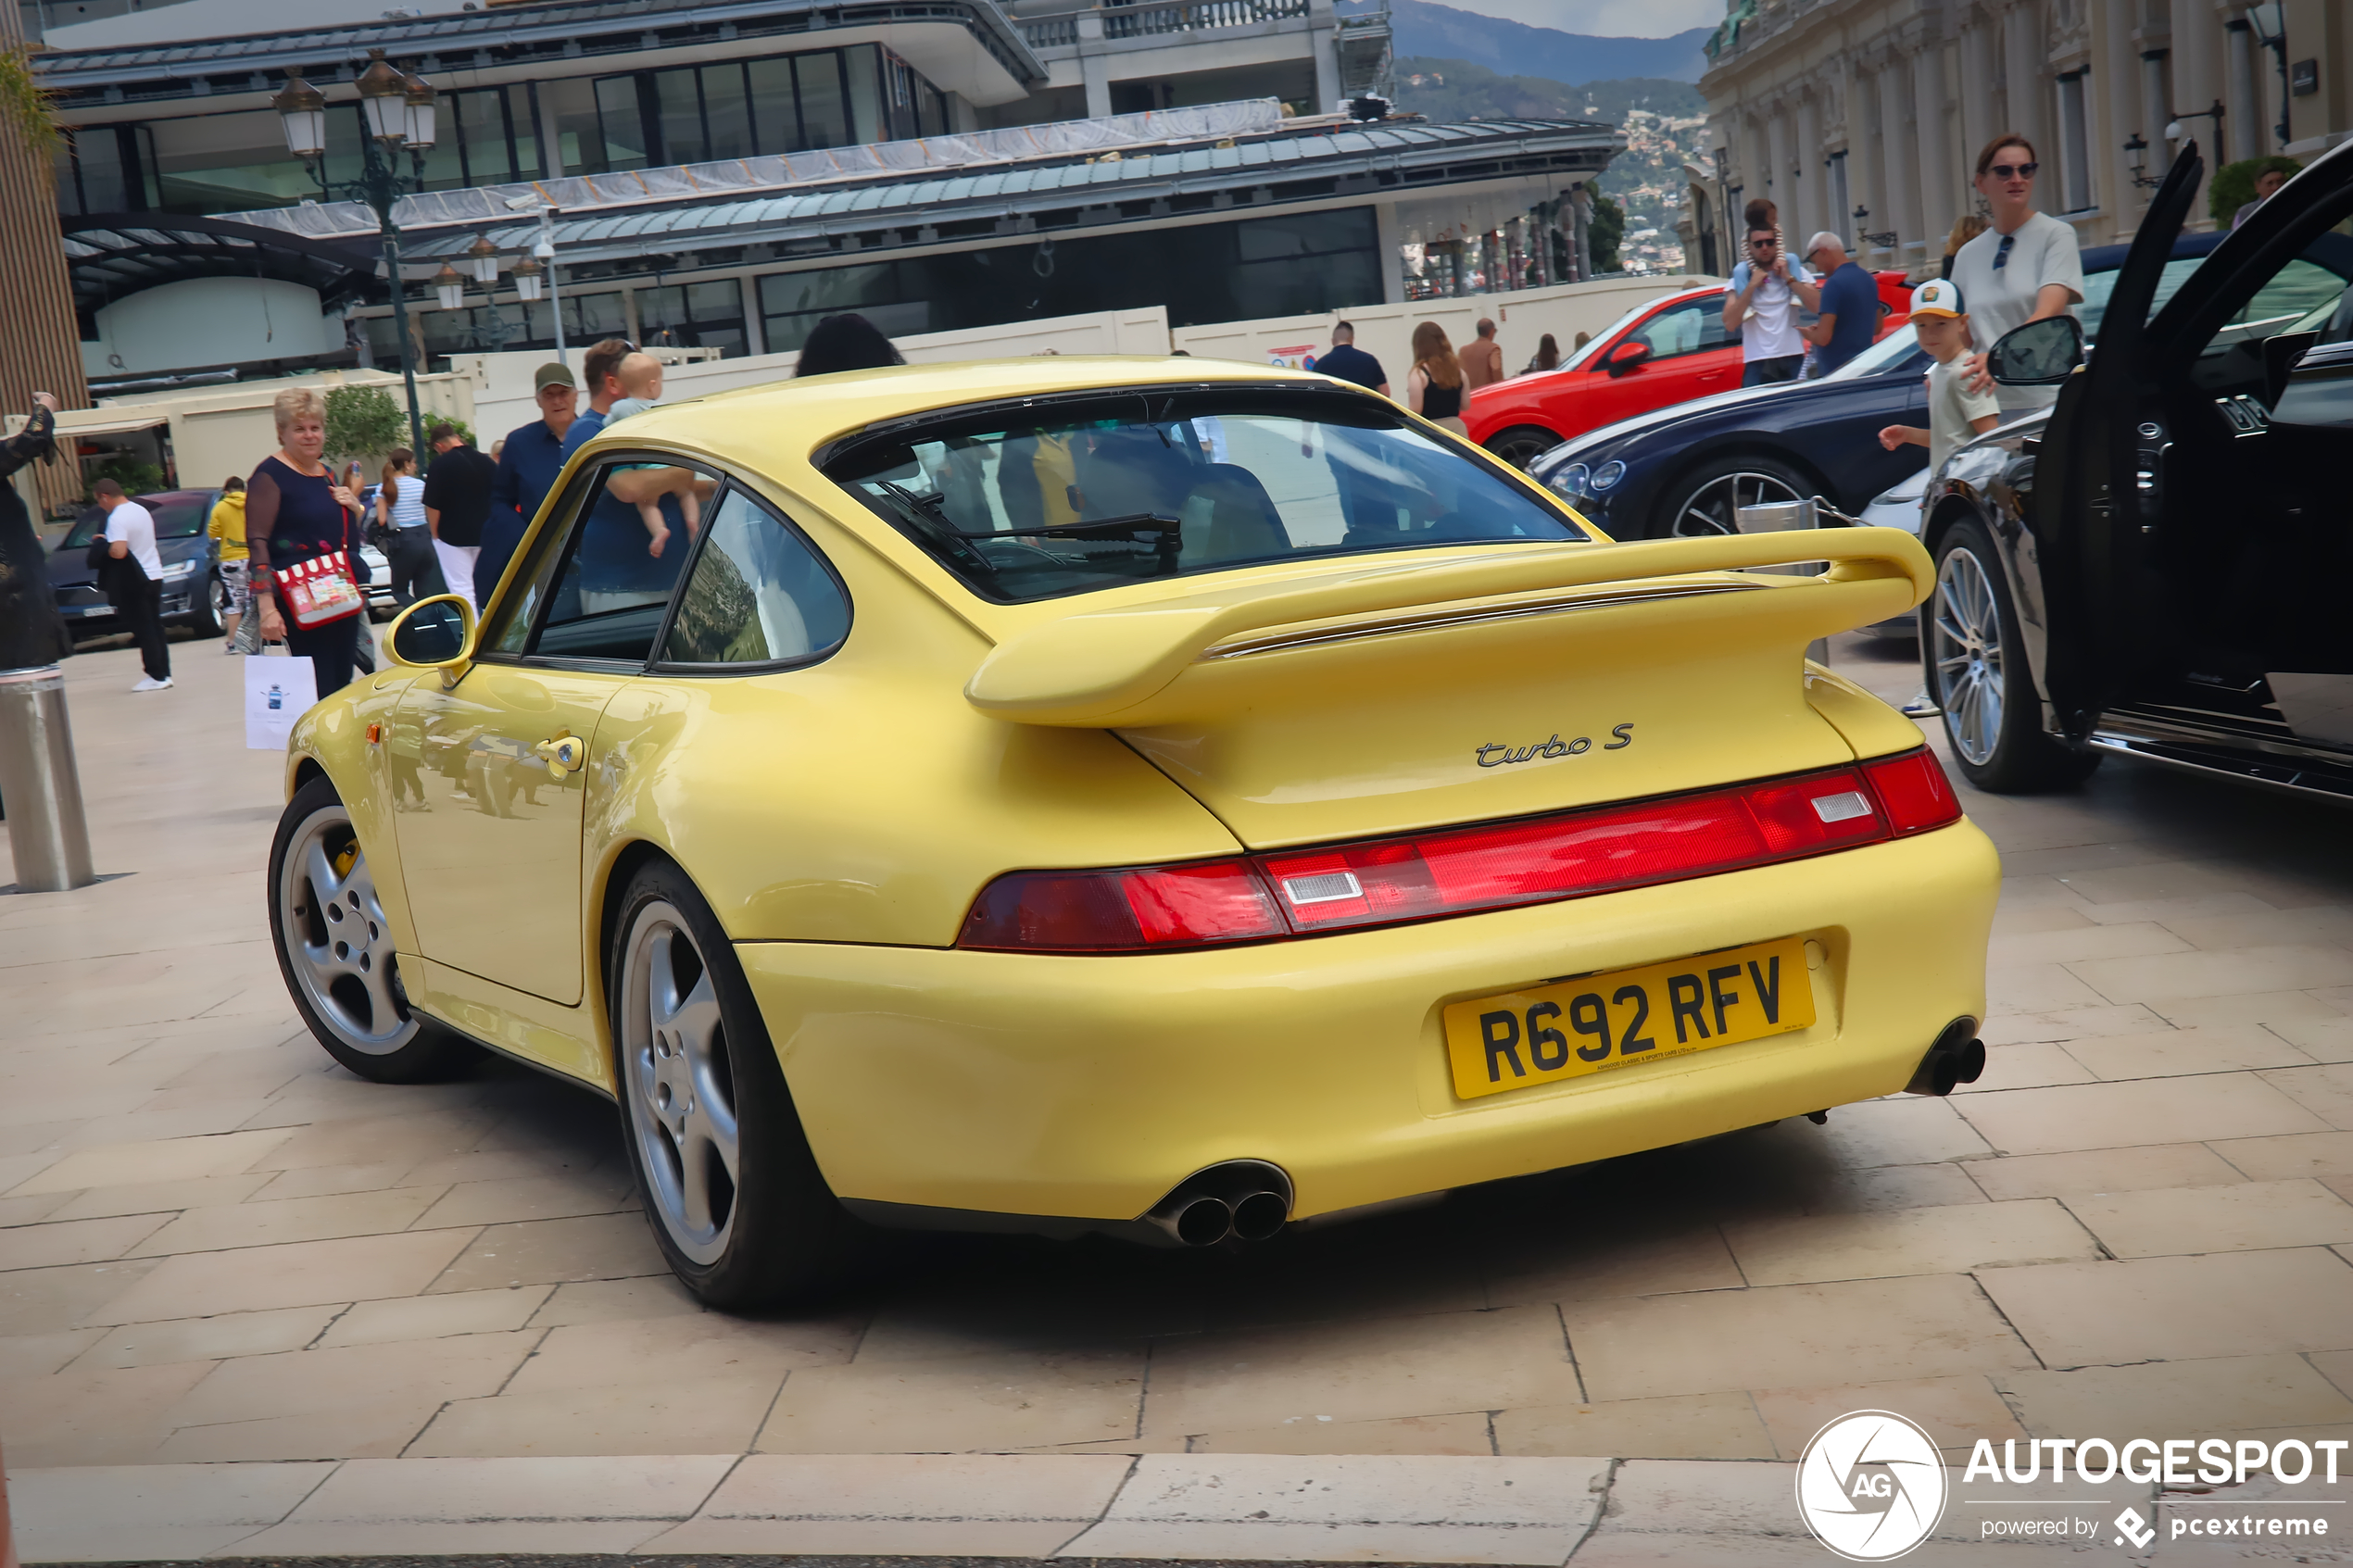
x,y
148,683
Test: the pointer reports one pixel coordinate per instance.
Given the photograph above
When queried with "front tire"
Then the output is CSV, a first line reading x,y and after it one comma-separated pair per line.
x,y
1522,445
335,951
204,614
1702,502
733,1195
1975,662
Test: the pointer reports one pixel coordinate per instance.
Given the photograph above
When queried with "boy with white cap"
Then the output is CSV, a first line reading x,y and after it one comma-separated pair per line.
x,y
1954,413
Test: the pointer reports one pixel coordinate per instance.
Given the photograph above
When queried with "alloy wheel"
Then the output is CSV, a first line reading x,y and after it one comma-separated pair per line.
x,y
1967,634
337,941
679,1083
1713,506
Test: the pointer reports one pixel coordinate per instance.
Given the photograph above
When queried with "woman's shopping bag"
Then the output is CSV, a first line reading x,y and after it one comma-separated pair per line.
x,y
277,691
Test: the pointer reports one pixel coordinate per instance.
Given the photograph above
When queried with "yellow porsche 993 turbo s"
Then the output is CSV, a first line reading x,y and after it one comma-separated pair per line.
x,y
1154,797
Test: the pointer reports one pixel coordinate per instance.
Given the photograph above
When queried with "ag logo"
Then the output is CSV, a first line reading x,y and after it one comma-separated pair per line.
x,y
1872,1486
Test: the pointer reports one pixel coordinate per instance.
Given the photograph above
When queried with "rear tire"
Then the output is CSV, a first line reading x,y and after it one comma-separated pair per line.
x,y
335,951
1522,445
1973,655
735,1199
1700,504
203,616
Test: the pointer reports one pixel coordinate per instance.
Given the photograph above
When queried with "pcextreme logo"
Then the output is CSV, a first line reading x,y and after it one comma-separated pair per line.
x,y
1871,1487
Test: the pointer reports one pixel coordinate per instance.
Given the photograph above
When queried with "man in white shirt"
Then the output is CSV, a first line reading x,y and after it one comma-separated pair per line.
x,y
137,586
1762,306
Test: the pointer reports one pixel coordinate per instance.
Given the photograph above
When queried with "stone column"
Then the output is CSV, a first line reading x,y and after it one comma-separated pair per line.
x,y
1780,138
1899,196
1804,214
2115,115
2245,120
1940,201
2026,59
1322,44
1864,155
1978,116
1093,68
2196,61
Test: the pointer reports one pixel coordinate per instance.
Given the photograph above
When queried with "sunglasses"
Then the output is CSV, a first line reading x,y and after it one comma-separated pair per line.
x,y
2002,252
2012,170
1760,245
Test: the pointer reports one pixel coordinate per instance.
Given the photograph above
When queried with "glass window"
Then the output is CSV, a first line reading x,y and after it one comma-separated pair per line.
x,y
866,121
599,586
2098,286
522,131
1112,489
693,316
825,112
580,137
679,109
776,116
619,117
793,303
726,110
237,162
757,594
1689,328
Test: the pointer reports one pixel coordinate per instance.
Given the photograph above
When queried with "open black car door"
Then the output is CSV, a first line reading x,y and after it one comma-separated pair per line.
x,y
2087,508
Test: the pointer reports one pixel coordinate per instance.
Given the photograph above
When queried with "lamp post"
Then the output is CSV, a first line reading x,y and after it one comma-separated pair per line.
x,y
2270,30
1883,241
399,112
542,266
2174,131
2137,147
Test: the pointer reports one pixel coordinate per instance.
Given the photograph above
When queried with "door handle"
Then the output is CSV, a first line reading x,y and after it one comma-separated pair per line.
x,y
563,754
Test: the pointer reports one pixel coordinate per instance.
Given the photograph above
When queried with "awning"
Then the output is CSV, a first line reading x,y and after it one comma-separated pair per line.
x,y
80,423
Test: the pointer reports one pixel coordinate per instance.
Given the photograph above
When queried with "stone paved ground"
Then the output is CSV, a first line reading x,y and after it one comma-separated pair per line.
x,y
214,1245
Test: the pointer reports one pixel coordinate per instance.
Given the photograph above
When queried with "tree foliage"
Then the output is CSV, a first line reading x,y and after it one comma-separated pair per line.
x,y
25,105
363,423
2233,184
1603,229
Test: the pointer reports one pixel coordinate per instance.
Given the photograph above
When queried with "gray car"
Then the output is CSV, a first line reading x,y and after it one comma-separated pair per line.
x,y
190,567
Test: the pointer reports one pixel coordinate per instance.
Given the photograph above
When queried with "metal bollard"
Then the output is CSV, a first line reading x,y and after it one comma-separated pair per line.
x,y
40,788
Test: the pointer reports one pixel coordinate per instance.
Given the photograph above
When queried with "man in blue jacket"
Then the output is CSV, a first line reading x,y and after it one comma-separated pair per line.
x,y
528,465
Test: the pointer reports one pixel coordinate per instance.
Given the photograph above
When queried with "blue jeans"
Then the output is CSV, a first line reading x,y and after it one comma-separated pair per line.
x,y
1769,372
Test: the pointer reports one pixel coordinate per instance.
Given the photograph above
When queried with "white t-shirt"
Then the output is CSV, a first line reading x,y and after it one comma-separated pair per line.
x,y
1770,330
1951,406
132,523
1999,300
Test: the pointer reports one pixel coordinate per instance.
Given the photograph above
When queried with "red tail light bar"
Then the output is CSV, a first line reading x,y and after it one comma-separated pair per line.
x,y
1456,871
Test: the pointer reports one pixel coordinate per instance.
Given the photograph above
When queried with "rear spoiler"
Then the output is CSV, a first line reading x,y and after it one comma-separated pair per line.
x,y
1127,667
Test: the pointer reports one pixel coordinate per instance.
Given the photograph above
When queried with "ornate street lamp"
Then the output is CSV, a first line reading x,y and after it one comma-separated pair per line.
x,y
2270,30
1884,240
2137,147
399,112
529,277
450,285
2175,132
482,256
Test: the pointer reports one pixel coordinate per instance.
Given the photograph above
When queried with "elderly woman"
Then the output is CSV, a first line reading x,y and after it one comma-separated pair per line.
x,y
2023,268
296,510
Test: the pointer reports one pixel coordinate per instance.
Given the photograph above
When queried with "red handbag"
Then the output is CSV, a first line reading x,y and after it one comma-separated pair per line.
x,y
322,590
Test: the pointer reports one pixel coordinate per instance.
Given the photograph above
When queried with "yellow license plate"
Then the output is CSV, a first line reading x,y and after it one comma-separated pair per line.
x,y
1524,1039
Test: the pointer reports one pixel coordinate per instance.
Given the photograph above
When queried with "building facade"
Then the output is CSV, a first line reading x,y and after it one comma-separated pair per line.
x,y
1864,117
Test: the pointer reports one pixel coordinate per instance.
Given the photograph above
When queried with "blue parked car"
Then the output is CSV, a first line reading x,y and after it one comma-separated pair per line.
x,y
1685,469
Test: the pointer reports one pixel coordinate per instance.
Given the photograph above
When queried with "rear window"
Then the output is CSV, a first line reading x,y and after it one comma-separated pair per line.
x,y
1071,495
178,514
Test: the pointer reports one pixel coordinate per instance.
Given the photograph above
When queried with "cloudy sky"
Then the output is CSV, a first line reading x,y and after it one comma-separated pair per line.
x,y
1609,18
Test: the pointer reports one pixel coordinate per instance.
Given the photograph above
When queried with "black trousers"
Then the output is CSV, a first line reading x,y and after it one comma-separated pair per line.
x,y
143,608
332,649
416,570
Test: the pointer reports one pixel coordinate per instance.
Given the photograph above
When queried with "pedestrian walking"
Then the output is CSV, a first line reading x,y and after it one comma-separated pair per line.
x,y
1548,356
227,524
1434,388
848,341
1767,291
529,460
297,510
32,632
408,538
136,580
1347,362
1966,229
457,503
2025,266
1482,359
1849,317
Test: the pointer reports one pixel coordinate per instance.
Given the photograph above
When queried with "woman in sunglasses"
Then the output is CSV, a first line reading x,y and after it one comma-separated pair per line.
x,y
2023,268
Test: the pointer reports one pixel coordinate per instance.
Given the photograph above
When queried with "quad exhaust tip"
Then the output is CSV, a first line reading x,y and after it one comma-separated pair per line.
x,y
1247,1199
1956,1058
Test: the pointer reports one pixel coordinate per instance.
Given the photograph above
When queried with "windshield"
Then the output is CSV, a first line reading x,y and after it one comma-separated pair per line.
x,y
1892,353
2098,286
178,514
1124,488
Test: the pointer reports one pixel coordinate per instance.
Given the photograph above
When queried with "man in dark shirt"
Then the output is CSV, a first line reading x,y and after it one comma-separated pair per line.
x,y
615,571
457,502
1348,362
1849,309
528,465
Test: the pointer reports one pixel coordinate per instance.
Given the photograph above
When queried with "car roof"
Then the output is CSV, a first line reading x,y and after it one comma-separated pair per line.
x,y
784,423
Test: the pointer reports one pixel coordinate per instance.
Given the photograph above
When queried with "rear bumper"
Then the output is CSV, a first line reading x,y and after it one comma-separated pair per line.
x,y
1087,1087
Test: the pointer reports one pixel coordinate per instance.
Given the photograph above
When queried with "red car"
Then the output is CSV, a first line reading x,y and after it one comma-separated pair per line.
x,y
1668,351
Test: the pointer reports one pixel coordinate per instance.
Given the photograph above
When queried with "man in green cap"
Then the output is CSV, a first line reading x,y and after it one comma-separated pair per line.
x,y
528,465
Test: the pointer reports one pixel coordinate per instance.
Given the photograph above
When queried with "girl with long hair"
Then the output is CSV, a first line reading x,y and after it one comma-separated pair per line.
x,y
1434,387
1548,356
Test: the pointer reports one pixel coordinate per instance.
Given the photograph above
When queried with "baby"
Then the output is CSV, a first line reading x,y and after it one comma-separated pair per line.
x,y
640,376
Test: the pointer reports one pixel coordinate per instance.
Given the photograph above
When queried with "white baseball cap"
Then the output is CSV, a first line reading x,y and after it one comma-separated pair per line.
x,y
1938,296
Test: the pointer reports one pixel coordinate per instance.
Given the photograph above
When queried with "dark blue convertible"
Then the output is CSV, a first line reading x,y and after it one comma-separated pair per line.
x,y
1685,469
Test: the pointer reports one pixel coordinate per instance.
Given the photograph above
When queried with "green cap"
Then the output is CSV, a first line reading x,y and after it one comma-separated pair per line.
x,y
553,374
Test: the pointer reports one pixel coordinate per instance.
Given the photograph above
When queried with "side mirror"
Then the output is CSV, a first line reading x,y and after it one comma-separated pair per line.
x,y
2041,353
435,634
1627,356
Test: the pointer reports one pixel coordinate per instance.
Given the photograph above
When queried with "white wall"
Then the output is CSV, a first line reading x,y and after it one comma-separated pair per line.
x,y
204,321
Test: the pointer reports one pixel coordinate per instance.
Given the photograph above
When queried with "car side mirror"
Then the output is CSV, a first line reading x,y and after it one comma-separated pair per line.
x,y
435,634
2041,353
1627,356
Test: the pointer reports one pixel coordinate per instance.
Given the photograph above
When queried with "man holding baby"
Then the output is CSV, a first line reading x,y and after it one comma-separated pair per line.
x,y
627,556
